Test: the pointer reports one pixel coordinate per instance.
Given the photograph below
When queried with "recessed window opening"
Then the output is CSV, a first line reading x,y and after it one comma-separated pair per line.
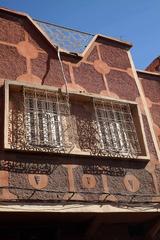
x,y
116,127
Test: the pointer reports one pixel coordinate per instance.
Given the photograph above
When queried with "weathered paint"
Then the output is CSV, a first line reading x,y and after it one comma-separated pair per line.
x,y
26,56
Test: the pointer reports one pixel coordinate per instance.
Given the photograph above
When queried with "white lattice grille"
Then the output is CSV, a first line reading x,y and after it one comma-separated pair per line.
x,y
42,119
116,128
47,119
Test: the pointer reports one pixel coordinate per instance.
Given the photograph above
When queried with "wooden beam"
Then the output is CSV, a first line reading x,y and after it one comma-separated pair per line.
x,y
93,228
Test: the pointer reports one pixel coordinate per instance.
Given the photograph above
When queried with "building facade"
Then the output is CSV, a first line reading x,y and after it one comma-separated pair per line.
x,y
80,135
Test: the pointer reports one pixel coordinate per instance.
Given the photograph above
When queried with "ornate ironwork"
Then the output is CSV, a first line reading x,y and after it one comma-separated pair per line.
x,y
68,39
104,169
109,130
16,130
27,167
40,121
88,135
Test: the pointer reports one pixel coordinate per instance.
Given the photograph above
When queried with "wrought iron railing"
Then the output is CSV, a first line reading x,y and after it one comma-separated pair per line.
x,y
41,120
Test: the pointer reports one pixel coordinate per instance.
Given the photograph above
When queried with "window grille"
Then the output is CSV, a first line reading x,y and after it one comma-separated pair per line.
x,y
44,123
117,132
46,119
42,119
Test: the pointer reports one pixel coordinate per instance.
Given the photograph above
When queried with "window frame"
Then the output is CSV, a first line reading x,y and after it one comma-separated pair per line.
x,y
80,96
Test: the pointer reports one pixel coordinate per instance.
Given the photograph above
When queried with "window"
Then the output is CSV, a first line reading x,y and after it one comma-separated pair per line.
x,y
39,120
42,119
116,127
46,119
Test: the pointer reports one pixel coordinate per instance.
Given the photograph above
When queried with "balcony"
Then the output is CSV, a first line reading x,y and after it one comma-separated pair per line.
x,y
48,120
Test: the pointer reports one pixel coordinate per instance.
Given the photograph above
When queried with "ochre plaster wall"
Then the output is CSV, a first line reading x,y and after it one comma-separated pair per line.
x,y
26,56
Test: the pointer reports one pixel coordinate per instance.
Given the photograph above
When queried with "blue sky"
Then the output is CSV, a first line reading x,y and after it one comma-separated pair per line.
x,y
136,21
